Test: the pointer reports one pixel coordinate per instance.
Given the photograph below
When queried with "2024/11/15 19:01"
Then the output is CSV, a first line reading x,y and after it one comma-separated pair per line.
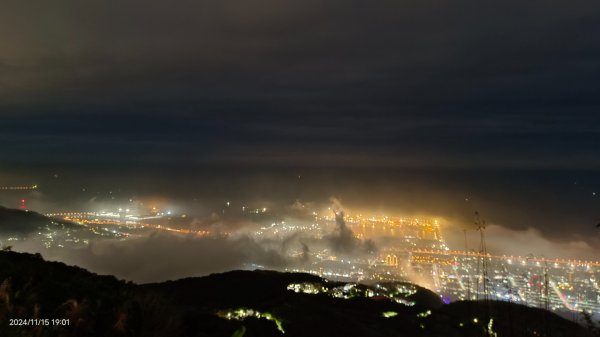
x,y
39,322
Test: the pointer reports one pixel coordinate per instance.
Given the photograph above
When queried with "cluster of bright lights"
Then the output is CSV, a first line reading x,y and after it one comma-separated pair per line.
x,y
243,313
352,290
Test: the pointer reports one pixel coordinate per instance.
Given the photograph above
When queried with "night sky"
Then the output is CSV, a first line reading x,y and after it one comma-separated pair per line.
x,y
390,83
339,85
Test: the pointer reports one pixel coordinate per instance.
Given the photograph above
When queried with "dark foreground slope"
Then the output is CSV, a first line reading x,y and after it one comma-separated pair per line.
x,y
241,303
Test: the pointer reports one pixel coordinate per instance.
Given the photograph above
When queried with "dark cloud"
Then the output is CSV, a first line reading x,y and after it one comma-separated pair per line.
x,y
305,252
411,83
342,240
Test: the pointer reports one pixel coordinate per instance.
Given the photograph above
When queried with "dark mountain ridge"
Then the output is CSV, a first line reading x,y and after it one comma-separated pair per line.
x,y
21,222
245,303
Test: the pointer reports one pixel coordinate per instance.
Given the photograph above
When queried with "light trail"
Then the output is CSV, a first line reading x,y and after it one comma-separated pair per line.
x,y
561,296
18,188
83,218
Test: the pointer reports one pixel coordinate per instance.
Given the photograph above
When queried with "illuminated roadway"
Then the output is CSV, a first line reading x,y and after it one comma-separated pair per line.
x,y
83,218
506,257
18,188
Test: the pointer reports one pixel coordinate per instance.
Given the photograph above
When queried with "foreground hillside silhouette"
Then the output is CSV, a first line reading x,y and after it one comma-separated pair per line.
x,y
245,303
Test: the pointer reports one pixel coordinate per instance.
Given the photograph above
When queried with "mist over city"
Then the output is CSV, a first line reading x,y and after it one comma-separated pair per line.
x,y
283,218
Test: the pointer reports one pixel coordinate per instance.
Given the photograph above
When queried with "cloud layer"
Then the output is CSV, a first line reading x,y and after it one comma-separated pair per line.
x,y
392,83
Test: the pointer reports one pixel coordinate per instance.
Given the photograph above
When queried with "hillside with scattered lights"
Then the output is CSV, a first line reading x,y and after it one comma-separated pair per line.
x,y
40,298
